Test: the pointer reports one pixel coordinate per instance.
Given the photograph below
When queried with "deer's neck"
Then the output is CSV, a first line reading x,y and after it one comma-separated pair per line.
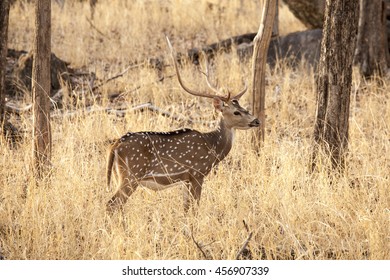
x,y
220,140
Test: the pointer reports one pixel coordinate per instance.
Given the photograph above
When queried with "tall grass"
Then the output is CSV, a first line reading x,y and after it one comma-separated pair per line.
x,y
293,213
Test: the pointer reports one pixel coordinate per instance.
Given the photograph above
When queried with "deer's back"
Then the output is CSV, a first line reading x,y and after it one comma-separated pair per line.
x,y
150,153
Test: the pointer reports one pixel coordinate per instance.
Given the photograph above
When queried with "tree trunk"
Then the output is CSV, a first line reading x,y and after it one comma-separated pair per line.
x,y
4,14
372,53
372,48
334,80
388,27
41,88
309,12
275,29
260,49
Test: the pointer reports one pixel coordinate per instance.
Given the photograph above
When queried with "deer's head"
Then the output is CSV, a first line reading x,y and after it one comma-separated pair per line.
x,y
233,114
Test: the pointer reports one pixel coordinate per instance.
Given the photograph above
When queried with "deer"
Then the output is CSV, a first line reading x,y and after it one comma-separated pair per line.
x,y
160,160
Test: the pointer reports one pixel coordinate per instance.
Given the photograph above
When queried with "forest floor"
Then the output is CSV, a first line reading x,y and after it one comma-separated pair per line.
x,y
293,213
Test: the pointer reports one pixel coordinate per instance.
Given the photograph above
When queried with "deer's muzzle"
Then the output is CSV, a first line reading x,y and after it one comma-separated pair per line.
x,y
254,123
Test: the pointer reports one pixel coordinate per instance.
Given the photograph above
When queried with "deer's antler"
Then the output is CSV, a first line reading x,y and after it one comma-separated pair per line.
x,y
193,92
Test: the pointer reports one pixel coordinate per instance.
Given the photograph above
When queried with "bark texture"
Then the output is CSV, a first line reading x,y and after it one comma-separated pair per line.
x,y
41,87
309,12
4,15
372,51
335,78
260,49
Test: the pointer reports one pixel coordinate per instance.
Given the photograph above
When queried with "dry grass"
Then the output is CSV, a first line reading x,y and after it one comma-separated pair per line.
x,y
290,211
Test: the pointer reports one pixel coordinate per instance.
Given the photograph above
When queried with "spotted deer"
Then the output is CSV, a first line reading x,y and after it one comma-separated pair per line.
x,y
159,160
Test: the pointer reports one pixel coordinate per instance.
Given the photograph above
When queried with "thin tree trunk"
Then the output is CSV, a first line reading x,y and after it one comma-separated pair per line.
x,y
260,50
41,88
334,79
372,55
4,15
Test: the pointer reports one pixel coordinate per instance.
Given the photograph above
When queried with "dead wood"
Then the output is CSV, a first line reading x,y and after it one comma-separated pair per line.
x,y
244,252
132,66
224,45
122,94
200,247
292,48
97,29
13,109
120,112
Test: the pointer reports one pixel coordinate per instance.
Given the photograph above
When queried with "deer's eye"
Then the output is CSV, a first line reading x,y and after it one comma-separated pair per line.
x,y
237,113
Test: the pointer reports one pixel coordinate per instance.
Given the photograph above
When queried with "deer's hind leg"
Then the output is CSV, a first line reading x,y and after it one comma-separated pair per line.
x,y
126,188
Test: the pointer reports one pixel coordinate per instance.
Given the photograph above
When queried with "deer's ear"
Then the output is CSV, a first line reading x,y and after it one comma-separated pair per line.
x,y
218,104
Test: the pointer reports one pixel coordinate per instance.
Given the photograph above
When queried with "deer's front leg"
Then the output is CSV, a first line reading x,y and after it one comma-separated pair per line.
x,y
192,192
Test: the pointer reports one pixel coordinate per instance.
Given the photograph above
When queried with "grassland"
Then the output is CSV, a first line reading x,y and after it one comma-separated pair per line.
x,y
292,213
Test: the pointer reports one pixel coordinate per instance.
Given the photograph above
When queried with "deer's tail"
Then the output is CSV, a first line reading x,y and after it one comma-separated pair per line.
x,y
110,163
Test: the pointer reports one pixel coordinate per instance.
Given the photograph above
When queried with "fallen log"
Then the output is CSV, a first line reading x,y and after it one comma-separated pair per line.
x,y
293,48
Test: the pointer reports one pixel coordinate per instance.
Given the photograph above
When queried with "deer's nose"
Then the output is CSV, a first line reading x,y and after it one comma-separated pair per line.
x,y
254,123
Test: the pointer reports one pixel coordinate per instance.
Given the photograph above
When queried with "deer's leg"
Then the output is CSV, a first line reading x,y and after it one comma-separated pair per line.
x,y
192,192
125,190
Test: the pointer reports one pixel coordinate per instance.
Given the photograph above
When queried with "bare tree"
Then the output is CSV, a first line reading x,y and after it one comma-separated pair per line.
x,y
261,44
372,50
41,87
4,14
334,79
